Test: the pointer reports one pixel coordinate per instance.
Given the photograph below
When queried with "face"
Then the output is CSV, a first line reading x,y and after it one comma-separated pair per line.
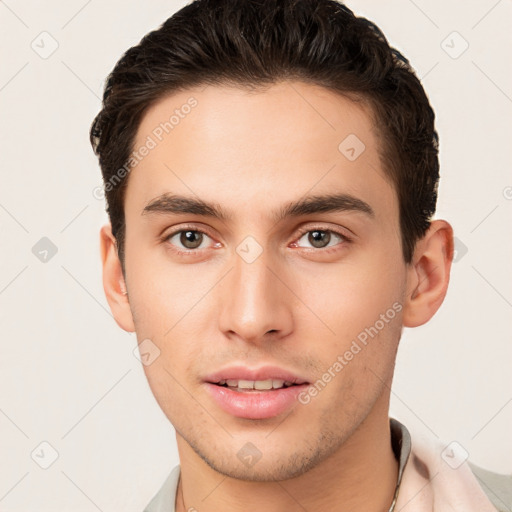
x,y
278,288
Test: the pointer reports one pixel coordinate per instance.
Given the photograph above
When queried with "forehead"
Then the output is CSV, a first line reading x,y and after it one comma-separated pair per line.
x,y
239,147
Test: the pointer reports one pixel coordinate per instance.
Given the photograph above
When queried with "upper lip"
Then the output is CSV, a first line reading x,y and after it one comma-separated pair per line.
x,y
253,374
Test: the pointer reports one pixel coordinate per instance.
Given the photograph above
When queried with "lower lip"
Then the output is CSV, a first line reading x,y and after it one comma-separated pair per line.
x,y
254,405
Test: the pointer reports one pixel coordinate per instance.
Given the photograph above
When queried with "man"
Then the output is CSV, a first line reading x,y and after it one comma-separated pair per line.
x,y
271,174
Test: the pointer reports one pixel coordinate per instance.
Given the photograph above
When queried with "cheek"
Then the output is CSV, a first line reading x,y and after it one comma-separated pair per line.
x,y
350,296
361,304
169,389
163,296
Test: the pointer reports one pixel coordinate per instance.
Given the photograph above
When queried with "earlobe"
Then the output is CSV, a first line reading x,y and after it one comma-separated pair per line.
x,y
113,280
429,274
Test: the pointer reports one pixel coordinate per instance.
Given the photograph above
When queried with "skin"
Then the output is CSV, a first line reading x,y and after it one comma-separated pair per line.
x,y
252,153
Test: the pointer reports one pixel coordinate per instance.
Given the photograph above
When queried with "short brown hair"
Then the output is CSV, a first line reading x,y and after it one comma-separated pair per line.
x,y
260,42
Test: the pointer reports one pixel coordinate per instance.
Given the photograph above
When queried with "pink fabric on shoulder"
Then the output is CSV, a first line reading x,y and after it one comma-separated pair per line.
x,y
437,478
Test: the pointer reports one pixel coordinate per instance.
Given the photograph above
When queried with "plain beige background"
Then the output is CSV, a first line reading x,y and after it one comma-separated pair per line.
x,y
68,375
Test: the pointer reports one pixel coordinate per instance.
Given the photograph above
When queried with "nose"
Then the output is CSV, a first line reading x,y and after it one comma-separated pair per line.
x,y
256,303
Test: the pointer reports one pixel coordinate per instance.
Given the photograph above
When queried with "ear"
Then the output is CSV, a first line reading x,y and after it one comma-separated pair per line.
x,y
428,274
113,280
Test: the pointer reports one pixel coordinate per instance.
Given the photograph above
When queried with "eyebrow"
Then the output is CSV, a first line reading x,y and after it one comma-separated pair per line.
x,y
179,205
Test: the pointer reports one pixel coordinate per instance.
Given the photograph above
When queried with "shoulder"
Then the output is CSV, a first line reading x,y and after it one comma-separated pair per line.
x,y
164,499
496,486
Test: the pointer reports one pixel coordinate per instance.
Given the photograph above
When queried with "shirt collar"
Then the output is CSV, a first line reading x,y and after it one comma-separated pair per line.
x,y
401,444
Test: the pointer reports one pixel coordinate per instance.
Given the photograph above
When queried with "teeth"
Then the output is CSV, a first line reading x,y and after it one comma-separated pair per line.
x,y
276,384
256,384
263,384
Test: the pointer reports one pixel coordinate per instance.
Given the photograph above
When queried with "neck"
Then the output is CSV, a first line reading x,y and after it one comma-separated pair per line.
x,y
361,475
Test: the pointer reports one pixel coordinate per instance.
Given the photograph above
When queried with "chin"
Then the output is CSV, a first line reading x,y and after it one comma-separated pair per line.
x,y
272,471
270,467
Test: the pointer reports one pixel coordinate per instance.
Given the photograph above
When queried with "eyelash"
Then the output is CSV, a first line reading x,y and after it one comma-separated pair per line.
x,y
303,231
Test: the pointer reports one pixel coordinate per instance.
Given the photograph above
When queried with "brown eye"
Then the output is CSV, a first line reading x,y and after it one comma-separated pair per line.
x,y
191,239
322,238
187,240
319,239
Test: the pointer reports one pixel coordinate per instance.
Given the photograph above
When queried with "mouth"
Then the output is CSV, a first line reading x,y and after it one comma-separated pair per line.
x,y
255,394
244,386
